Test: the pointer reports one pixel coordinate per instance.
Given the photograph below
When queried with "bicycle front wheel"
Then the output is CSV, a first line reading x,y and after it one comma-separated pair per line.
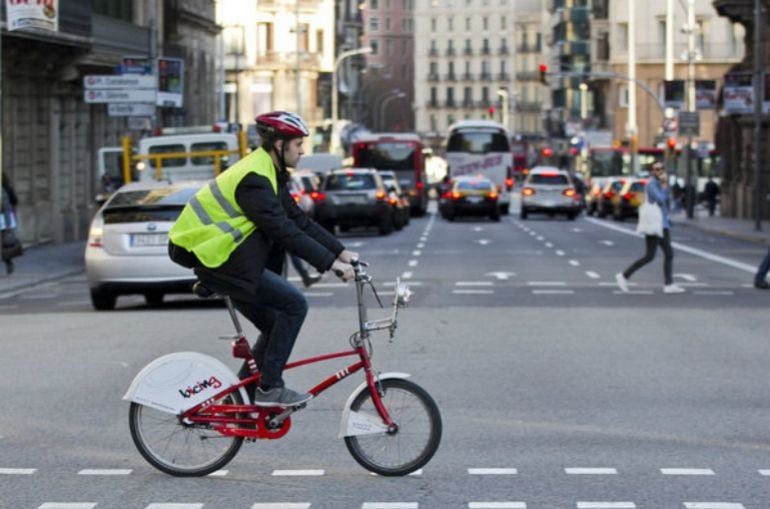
x,y
415,441
178,448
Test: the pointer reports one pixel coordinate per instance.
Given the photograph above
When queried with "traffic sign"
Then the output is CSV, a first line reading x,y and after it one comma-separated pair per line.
x,y
119,81
131,95
689,123
131,109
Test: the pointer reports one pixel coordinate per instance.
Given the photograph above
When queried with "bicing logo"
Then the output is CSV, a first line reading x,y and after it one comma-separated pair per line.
x,y
201,386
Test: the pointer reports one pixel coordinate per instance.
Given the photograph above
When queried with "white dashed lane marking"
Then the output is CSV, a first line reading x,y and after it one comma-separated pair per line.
x,y
592,274
105,471
493,471
297,473
591,471
712,505
686,471
474,283
17,471
606,505
282,505
68,505
552,292
390,505
497,505
546,283
473,292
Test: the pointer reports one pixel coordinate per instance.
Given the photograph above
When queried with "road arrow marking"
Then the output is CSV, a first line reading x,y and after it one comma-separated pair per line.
x,y
483,242
502,276
607,242
687,277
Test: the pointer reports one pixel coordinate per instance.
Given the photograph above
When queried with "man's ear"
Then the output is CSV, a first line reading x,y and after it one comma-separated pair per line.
x,y
278,145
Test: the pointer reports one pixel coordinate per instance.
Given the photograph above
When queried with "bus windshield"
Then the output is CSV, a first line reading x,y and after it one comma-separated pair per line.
x,y
478,141
387,156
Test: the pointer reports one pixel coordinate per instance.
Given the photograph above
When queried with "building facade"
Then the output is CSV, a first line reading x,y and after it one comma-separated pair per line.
x,y
387,94
51,136
275,53
466,63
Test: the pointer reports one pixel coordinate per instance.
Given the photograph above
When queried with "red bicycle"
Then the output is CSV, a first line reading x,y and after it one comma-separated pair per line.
x,y
188,417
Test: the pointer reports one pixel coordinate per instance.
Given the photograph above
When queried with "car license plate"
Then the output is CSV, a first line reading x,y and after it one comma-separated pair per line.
x,y
354,199
149,239
474,199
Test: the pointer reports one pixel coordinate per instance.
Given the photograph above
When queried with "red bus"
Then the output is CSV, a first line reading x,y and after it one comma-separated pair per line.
x,y
402,154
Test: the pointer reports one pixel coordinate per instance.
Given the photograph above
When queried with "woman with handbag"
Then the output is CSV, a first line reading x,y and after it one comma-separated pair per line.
x,y
11,247
654,223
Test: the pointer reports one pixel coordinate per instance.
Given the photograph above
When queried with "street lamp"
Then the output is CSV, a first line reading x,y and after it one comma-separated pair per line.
x,y
503,93
334,145
393,94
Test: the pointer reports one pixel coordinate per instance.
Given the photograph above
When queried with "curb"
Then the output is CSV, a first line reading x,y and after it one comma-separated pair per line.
x,y
13,289
762,238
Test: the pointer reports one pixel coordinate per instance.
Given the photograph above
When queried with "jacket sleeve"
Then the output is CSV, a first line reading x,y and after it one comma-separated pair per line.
x,y
306,224
260,204
657,193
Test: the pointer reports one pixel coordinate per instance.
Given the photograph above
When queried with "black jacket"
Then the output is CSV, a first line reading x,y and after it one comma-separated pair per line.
x,y
281,226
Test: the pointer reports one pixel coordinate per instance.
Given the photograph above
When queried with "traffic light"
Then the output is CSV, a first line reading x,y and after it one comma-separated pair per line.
x,y
543,73
670,147
547,152
491,111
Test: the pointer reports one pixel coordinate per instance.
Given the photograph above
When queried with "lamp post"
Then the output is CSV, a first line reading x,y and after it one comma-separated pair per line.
x,y
393,94
334,142
632,127
503,93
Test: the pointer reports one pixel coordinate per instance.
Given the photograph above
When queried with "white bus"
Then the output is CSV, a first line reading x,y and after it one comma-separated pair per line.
x,y
481,147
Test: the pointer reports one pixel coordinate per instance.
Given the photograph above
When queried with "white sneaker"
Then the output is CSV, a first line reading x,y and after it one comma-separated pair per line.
x,y
622,282
673,288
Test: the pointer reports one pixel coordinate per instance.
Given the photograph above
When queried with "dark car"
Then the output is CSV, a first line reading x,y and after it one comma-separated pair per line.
x,y
354,197
398,198
477,196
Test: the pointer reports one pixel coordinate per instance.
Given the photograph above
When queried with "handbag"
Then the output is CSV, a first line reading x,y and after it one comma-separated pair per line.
x,y
11,247
650,218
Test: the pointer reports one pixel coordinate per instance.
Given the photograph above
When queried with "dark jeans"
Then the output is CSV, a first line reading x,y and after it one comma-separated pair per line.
x,y
764,267
278,310
651,242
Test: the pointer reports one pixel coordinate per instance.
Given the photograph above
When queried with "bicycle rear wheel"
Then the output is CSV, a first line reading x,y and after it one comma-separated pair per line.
x,y
179,449
415,441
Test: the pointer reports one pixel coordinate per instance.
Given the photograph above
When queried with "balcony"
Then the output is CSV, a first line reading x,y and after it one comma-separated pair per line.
x,y
529,106
575,15
468,52
433,52
528,48
468,103
433,76
431,103
502,50
450,103
450,52
485,76
503,76
486,51
450,77
571,48
527,75
469,76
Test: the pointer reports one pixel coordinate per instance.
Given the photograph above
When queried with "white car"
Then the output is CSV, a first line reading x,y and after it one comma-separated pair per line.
x,y
549,190
127,249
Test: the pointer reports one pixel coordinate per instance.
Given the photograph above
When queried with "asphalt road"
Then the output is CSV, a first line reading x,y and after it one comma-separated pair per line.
x,y
556,390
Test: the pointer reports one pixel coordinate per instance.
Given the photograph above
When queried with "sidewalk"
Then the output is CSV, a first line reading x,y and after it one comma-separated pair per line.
x,y
40,264
742,229
50,262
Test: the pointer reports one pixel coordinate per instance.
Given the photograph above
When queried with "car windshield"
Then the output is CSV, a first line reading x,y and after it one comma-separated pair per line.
x,y
473,185
478,141
350,182
163,204
554,179
387,155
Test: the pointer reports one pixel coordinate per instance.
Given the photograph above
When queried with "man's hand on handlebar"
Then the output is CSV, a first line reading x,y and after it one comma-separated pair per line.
x,y
347,256
343,270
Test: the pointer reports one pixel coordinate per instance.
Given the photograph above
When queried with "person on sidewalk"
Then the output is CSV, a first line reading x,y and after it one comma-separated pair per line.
x,y
760,279
658,192
11,246
711,195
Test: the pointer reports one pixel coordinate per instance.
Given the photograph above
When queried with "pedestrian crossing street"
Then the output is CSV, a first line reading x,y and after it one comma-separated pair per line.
x,y
470,474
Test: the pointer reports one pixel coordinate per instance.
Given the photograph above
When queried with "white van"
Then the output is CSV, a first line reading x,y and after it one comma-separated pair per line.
x,y
185,167
482,147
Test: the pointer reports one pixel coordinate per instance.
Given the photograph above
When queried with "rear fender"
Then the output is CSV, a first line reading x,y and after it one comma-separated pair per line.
x,y
357,423
179,381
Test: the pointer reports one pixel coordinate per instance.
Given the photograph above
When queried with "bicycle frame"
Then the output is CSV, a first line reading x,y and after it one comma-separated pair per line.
x,y
274,422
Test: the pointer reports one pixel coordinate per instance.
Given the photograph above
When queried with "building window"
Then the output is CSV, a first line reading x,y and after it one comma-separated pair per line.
x,y
319,41
485,95
373,4
485,23
119,9
433,95
433,24
450,96
432,119
375,46
502,23
467,23
623,36
388,47
387,24
264,38
623,96
404,47
451,23
374,24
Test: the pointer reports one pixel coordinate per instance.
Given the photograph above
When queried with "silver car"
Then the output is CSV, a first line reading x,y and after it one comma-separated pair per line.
x,y
549,190
127,244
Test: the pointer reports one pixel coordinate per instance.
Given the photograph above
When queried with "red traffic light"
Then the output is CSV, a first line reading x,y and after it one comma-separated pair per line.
x,y
671,143
491,110
547,152
543,67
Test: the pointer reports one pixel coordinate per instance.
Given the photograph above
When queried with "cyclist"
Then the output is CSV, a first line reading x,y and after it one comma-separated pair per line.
x,y
234,233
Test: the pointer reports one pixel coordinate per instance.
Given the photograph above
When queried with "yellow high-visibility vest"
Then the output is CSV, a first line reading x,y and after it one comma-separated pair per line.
x,y
212,224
